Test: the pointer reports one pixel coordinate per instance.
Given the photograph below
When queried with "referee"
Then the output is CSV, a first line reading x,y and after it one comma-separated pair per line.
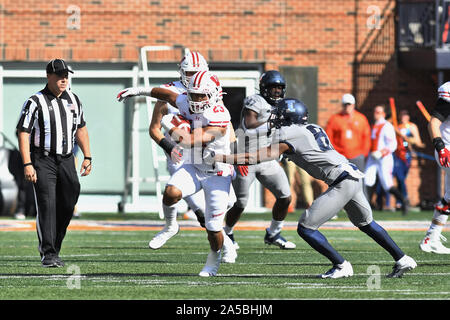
x,y
50,122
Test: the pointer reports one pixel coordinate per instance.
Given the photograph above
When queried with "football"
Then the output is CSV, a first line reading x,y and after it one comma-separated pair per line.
x,y
181,122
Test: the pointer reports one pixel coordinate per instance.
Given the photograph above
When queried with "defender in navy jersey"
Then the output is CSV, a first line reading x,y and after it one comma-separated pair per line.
x,y
308,146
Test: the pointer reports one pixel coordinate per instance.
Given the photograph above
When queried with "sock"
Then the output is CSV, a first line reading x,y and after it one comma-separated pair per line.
x,y
318,242
226,240
170,215
377,233
275,227
436,229
228,230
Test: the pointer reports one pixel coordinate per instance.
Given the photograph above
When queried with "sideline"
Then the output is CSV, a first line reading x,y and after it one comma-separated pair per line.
x,y
156,225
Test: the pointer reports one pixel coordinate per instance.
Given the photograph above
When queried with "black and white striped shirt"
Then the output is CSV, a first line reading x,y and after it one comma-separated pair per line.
x,y
52,121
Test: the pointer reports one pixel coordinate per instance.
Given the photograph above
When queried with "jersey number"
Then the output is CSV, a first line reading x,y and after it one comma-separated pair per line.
x,y
321,138
217,109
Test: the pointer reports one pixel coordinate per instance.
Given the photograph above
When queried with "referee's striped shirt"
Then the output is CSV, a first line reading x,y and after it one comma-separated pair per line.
x,y
52,121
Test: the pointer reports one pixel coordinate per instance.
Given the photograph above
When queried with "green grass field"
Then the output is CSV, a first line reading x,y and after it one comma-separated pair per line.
x,y
110,265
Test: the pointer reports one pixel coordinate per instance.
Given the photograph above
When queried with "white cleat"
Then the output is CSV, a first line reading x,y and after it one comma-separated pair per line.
x,y
342,270
212,265
229,253
163,236
278,240
434,244
405,264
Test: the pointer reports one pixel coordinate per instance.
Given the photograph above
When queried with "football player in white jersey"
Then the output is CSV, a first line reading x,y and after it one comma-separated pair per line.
x,y
210,133
191,63
439,129
252,134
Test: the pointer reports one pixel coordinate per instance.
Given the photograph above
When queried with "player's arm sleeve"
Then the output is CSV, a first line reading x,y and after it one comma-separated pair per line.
x,y
441,111
251,103
281,138
27,116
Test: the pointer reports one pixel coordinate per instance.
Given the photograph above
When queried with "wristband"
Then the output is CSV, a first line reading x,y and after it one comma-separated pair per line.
x,y
27,164
438,144
88,158
167,145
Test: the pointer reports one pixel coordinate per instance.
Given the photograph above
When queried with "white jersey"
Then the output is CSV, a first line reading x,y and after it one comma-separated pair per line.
x,y
217,116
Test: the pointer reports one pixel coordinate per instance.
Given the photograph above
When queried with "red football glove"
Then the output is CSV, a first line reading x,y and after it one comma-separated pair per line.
x,y
444,157
243,170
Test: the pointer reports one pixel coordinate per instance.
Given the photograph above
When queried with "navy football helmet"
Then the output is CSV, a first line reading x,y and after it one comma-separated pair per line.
x,y
269,80
287,112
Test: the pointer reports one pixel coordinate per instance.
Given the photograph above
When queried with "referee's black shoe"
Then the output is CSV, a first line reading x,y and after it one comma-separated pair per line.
x,y
59,261
51,261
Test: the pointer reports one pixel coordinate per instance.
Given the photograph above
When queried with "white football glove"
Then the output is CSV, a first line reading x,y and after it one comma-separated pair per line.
x,y
132,92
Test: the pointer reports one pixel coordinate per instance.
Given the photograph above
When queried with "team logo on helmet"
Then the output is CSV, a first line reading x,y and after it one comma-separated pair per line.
x,y
288,111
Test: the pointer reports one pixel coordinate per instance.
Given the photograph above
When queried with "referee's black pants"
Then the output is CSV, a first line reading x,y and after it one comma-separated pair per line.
x,y
57,190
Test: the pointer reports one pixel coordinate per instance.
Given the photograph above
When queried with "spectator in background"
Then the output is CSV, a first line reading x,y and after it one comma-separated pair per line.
x,y
349,132
407,137
381,162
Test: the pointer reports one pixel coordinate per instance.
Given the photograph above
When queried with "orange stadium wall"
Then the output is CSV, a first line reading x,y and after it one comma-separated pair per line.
x,y
334,36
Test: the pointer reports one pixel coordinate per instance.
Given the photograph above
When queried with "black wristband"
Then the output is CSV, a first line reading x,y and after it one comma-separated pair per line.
x,y
27,164
438,144
88,158
167,145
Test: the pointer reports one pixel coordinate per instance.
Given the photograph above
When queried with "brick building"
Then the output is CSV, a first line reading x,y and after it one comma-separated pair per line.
x,y
325,48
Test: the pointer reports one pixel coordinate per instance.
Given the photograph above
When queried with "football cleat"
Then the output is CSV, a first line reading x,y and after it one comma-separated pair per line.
x,y
405,264
343,270
161,237
231,236
212,265
229,253
278,240
434,244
